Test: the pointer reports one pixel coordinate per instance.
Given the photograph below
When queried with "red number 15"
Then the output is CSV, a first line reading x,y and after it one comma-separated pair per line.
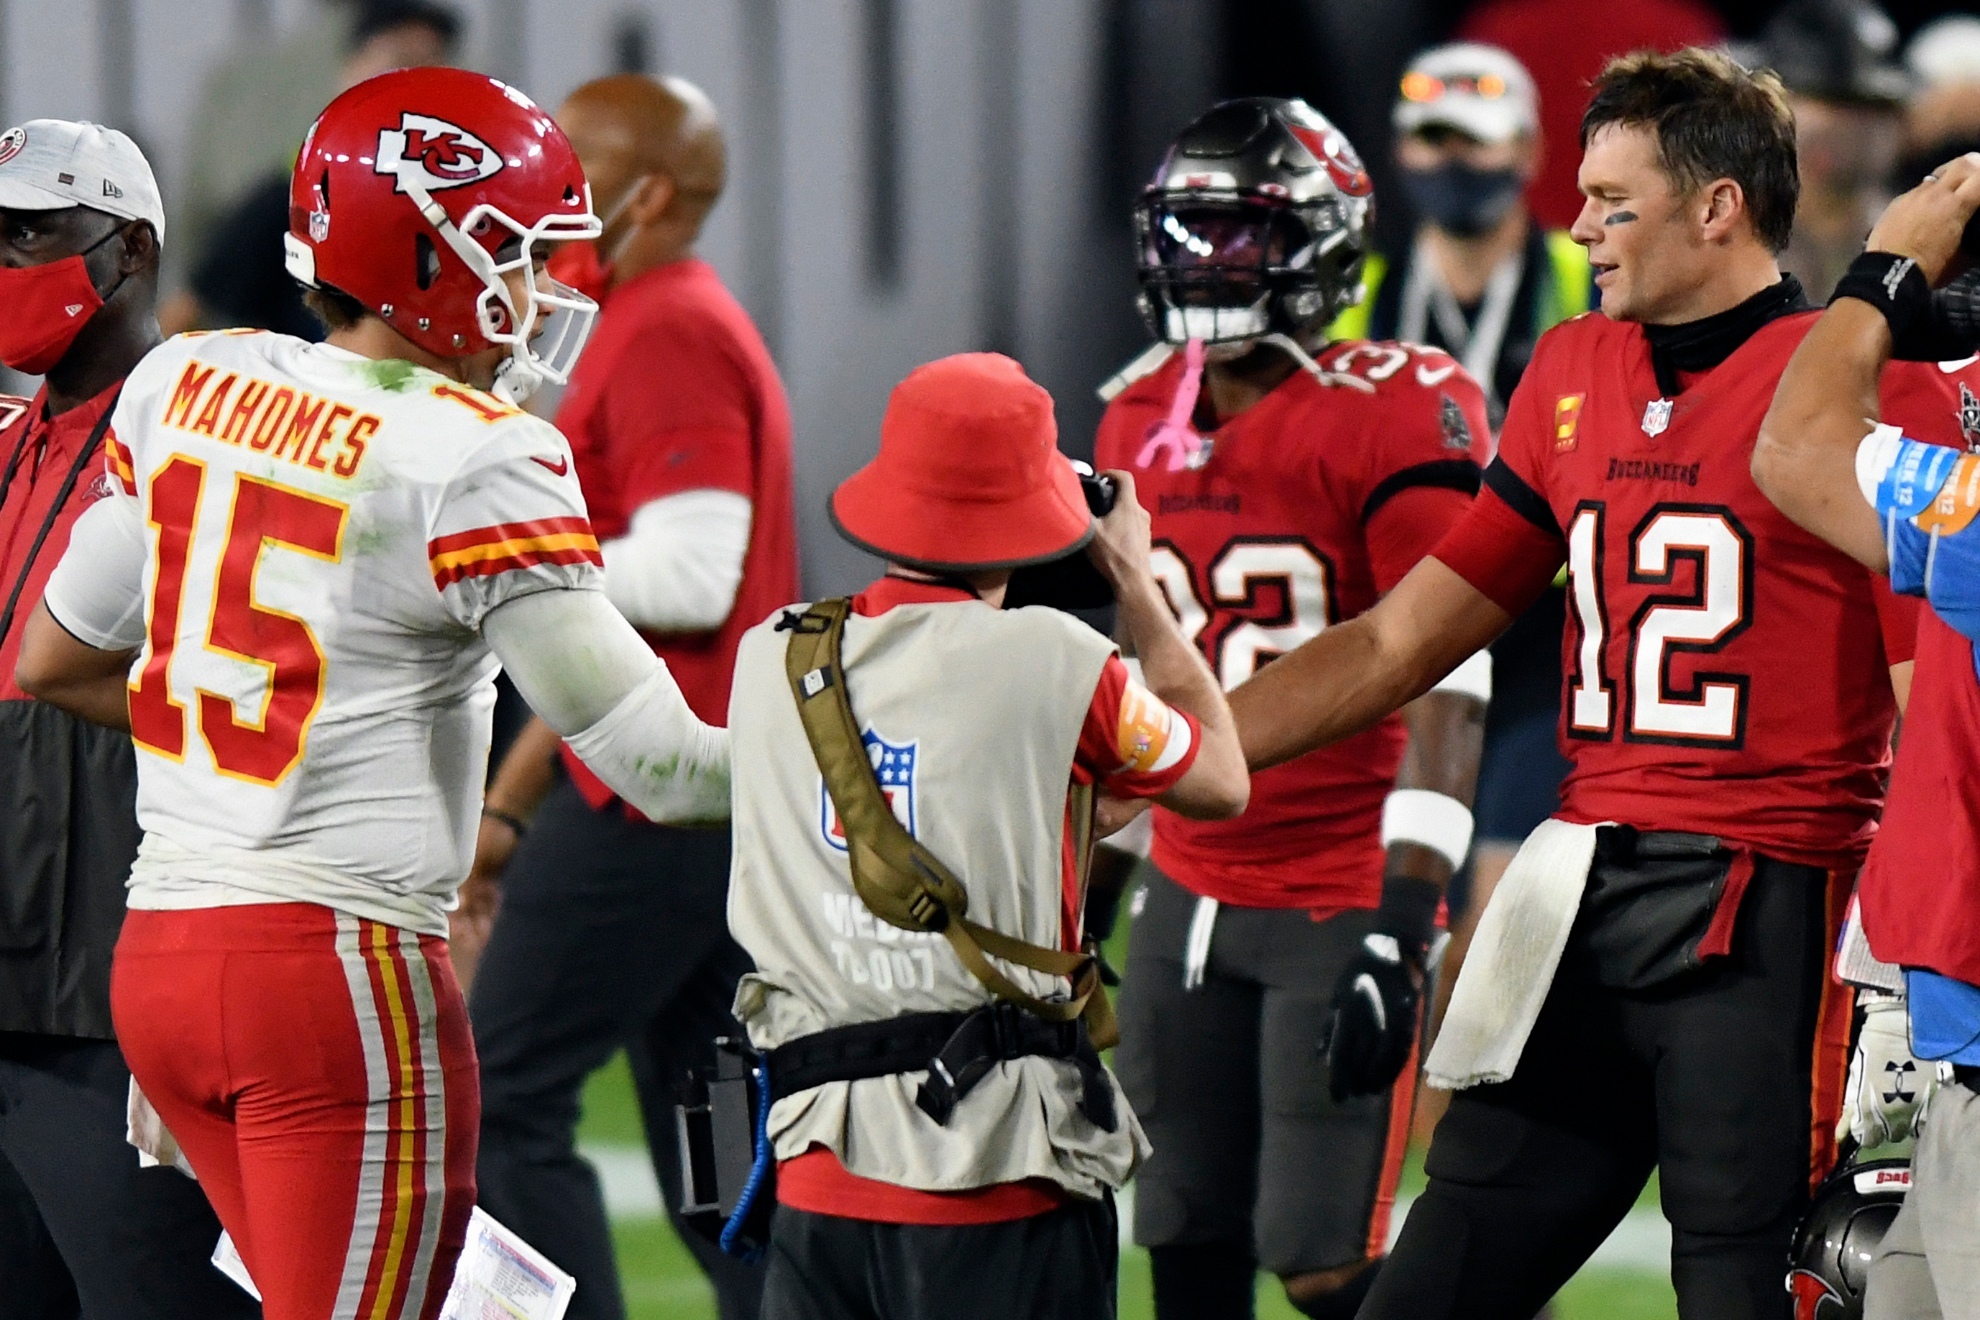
x,y
262,749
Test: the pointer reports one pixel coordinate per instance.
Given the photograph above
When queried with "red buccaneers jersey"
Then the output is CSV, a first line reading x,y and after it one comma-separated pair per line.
x,y
1725,672
1299,514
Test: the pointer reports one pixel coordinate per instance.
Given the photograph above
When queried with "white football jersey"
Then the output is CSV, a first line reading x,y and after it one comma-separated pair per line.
x,y
324,534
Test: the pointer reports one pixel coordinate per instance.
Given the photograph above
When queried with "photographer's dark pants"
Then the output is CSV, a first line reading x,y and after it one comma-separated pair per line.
x,y
83,1230
613,932
1062,1265
1727,1080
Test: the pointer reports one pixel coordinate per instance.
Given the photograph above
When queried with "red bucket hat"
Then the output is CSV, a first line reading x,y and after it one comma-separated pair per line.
x,y
969,476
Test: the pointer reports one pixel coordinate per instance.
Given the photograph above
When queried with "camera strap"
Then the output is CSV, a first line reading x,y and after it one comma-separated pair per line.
x,y
900,881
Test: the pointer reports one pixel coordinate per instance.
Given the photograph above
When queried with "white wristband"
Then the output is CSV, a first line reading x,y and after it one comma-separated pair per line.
x,y
1473,678
1431,820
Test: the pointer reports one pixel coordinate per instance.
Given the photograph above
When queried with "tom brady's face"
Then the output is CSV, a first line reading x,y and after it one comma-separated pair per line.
x,y
1643,236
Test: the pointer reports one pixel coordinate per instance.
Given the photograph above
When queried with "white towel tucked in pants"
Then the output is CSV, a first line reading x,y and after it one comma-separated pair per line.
x,y
1512,958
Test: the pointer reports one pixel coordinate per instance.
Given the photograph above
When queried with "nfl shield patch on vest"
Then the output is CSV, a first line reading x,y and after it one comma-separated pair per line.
x,y
894,767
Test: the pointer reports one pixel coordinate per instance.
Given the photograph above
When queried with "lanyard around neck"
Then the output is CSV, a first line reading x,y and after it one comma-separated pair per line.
x,y
1477,347
54,510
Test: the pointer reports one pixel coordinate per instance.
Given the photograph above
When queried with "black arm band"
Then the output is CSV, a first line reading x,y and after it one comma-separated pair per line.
x,y
1409,910
1894,285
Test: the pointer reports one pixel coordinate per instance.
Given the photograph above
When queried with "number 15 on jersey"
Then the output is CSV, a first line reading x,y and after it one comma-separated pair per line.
x,y
264,518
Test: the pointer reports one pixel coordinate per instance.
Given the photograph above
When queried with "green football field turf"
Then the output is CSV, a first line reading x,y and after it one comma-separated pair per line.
x,y
662,1283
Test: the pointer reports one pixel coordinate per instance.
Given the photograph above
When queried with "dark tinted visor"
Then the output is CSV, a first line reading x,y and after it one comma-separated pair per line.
x,y
1228,237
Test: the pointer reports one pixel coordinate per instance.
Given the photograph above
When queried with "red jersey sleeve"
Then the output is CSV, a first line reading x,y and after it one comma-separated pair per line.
x,y
1408,529
1133,744
682,424
1424,465
1897,617
1509,545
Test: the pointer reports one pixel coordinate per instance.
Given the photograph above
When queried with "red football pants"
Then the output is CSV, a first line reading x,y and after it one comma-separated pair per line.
x,y
320,1076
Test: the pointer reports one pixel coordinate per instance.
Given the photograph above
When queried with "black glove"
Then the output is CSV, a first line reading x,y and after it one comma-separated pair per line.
x,y
1373,1023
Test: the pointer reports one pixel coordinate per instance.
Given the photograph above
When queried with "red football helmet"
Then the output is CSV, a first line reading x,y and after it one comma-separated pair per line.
x,y
417,191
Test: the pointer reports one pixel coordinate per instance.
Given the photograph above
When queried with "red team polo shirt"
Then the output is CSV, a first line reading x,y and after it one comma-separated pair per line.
x,y
1724,671
815,1181
676,392
1925,864
38,453
1309,505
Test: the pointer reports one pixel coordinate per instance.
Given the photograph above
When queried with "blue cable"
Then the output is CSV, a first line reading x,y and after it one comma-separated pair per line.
x,y
759,1172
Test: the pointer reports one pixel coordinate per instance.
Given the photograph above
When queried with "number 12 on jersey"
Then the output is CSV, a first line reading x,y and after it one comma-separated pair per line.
x,y
1711,710
264,517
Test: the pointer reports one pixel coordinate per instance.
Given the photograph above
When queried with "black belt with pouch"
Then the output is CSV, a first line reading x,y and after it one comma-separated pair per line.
x,y
1650,902
728,1173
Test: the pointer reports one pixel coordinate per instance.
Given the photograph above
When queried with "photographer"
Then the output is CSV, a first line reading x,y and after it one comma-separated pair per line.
x,y
970,1170
1907,509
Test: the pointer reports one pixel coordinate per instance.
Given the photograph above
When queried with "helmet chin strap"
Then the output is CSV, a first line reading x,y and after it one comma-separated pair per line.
x,y
514,382
1297,352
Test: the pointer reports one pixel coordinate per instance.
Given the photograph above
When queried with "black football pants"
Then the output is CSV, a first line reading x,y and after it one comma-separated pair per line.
x,y
1728,1082
83,1230
613,932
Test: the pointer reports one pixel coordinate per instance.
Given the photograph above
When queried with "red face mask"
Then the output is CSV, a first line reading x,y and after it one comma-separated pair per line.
x,y
47,307
578,265
581,265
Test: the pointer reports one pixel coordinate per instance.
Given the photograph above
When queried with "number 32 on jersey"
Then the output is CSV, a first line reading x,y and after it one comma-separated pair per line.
x,y
264,518
1240,569
1710,709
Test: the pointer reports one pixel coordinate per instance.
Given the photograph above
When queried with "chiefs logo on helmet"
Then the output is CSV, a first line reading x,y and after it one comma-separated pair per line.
x,y
11,143
434,154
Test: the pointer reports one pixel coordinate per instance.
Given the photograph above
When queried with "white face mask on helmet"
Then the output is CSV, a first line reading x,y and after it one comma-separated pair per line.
x,y
527,367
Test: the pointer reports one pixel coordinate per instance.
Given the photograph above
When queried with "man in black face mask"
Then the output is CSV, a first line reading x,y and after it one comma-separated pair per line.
x,y
83,1229
1480,278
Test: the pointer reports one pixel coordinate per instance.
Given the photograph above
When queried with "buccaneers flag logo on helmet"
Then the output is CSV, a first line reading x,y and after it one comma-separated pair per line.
x,y
434,154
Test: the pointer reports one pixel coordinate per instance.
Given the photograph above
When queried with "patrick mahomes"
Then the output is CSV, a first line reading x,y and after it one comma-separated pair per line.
x,y
296,598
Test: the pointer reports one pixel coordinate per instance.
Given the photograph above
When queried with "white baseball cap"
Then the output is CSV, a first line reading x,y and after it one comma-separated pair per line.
x,y
1478,90
1947,51
53,164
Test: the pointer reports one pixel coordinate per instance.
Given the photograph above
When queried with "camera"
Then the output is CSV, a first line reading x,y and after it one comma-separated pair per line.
x,y
1100,491
1072,583
1949,328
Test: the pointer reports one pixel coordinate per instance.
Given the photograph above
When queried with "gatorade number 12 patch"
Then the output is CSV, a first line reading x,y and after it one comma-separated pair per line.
x,y
1953,508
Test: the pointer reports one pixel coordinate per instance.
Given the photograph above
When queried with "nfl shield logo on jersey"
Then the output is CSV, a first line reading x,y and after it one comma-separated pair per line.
x,y
893,765
1657,416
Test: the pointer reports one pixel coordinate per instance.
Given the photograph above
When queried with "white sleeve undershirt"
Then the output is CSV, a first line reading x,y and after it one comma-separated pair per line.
x,y
580,666
96,592
679,565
